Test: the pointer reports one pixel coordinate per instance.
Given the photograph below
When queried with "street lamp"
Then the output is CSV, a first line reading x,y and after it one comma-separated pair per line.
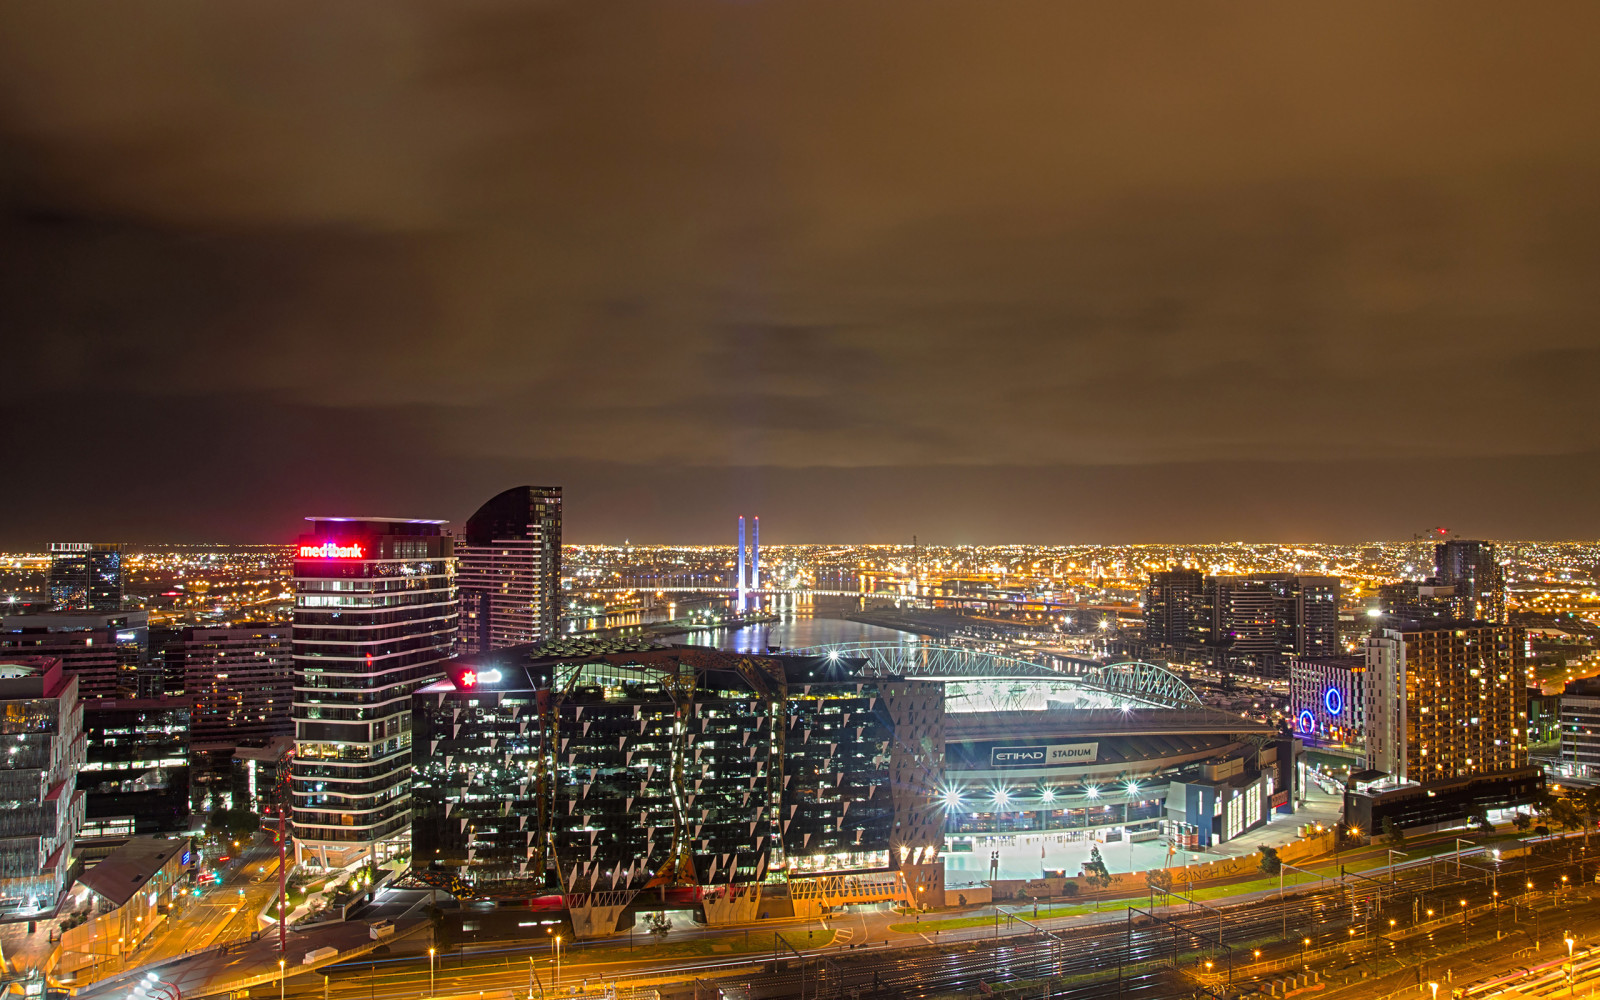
x,y
558,960
433,990
280,979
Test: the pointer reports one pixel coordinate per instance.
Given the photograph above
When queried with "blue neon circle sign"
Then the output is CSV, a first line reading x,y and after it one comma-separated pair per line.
x,y
1307,721
1333,701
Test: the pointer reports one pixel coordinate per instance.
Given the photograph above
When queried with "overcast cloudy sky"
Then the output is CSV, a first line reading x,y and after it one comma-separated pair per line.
x,y
975,271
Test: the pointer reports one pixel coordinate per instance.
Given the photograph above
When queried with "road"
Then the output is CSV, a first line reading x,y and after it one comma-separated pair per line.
x,y
222,913
1155,951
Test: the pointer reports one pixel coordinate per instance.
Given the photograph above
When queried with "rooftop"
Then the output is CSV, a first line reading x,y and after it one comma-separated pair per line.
x,y
125,871
385,520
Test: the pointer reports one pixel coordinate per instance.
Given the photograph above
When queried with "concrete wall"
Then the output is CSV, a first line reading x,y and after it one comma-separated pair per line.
x,y
1123,883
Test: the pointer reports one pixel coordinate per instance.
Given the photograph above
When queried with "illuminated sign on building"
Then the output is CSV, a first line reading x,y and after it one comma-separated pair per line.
x,y
1045,756
332,550
1308,723
1333,701
472,678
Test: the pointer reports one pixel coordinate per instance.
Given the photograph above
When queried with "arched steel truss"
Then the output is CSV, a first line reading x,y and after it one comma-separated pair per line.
x,y
1132,679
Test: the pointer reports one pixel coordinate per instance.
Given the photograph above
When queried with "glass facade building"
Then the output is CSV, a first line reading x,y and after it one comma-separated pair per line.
x,y
666,768
85,576
509,570
374,619
41,721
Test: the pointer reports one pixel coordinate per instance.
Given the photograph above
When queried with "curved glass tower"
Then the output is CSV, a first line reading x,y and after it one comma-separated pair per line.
x,y
509,570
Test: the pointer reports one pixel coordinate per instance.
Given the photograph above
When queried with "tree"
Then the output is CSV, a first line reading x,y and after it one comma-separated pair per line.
x,y
1395,836
1096,873
235,824
1159,878
1522,821
1271,864
1480,821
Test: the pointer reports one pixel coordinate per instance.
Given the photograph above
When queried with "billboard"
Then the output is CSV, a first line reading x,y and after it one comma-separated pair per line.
x,y
1048,755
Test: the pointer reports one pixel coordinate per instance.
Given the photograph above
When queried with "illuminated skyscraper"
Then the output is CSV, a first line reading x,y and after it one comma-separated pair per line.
x,y
85,576
374,619
508,562
1170,604
1445,700
1474,571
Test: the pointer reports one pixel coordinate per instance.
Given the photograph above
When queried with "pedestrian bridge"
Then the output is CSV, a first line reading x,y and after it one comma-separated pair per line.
x,y
1133,680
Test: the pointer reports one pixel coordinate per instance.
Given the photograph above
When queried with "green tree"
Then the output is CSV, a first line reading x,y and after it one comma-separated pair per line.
x,y
1096,873
1159,878
1271,864
1395,836
1522,821
1480,821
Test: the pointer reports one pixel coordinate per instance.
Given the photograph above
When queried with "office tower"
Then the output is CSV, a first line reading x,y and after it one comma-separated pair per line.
x,y
1580,728
135,776
240,682
643,768
1475,573
105,651
41,722
1327,696
374,619
1445,700
85,576
1170,602
508,570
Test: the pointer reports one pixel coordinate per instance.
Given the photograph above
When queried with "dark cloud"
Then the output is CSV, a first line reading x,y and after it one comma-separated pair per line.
x,y
1060,255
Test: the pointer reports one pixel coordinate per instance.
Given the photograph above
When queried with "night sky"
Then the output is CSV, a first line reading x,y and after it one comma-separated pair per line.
x,y
978,271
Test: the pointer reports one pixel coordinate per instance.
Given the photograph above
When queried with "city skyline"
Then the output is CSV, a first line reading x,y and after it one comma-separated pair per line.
x,y
1218,285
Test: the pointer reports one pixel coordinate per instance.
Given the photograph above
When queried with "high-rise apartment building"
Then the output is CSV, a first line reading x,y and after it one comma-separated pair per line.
x,y
508,561
104,650
1473,569
41,721
1170,604
1308,614
1580,728
1239,616
85,576
374,619
1252,623
239,680
1409,600
1445,700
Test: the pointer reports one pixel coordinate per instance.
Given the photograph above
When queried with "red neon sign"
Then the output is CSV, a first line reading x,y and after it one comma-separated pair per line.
x,y
468,679
332,550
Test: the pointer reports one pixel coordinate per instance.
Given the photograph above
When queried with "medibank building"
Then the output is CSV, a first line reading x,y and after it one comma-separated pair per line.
x,y
374,619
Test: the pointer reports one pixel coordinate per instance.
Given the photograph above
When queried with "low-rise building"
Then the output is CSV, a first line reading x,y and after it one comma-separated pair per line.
x,y
126,896
1580,728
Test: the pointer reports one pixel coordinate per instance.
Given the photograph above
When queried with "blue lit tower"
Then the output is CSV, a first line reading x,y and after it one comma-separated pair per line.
x,y
741,562
755,558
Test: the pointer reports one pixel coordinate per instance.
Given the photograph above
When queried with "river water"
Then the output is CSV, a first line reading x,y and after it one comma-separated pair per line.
x,y
795,631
